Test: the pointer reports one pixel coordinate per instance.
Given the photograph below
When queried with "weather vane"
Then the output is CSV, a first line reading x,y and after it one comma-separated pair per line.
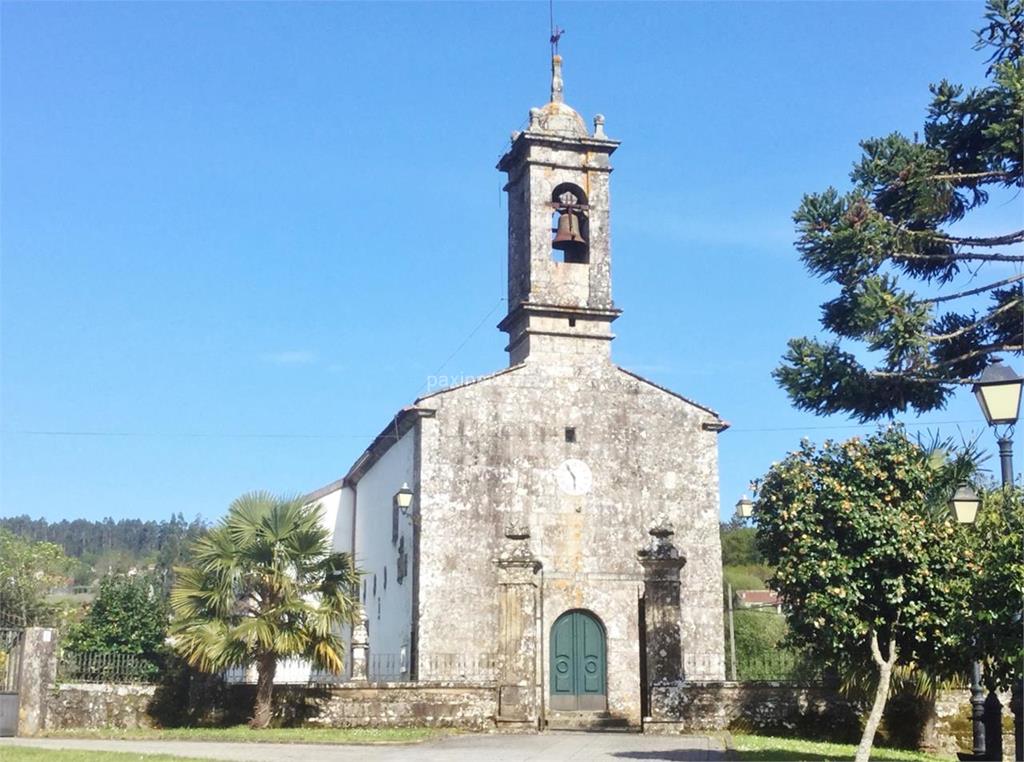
x,y
556,33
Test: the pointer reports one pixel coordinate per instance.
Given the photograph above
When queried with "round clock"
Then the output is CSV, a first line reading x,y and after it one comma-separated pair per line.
x,y
574,477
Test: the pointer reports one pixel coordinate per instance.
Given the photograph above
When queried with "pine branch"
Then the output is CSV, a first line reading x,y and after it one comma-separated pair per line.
x,y
970,257
978,352
934,338
997,240
904,375
973,291
972,175
919,379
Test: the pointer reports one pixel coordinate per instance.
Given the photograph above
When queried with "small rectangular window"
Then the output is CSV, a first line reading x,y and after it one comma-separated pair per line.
x,y
572,322
570,434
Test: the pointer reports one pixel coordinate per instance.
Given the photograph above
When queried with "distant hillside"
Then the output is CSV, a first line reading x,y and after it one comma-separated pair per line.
x,y
100,543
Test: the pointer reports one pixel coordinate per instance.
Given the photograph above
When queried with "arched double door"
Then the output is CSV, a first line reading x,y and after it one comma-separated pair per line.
x,y
578,663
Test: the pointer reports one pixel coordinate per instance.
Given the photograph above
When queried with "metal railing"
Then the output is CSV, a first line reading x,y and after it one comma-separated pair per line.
x,y
91,667
482,667
703,666
776,666
382,667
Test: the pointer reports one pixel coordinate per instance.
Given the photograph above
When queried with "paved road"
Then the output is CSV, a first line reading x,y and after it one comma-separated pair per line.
x,y
544,747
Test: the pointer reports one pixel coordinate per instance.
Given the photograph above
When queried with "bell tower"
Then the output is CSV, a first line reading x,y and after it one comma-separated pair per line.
x,y
559,245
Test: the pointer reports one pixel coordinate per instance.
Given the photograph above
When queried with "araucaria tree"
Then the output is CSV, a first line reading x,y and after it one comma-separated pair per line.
x,y
931,304
264,585
868,567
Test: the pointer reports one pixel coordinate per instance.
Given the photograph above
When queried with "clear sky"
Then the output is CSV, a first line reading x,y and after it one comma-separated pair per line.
x,y
237,237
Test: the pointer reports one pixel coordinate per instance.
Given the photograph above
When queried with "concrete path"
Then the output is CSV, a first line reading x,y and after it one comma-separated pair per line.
x,y
544,747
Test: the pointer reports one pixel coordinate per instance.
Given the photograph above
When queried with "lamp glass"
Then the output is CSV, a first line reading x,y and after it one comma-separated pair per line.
x,y
744,508
403,498
964,505
999,402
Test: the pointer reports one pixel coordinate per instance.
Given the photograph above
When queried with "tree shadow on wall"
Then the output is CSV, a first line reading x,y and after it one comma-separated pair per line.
x,y
186,697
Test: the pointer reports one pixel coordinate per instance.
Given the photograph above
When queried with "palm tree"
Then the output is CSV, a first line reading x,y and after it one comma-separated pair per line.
x,y
264,585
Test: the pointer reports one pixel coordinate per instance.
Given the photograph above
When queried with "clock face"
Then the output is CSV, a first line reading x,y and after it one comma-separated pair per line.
x,y
574,477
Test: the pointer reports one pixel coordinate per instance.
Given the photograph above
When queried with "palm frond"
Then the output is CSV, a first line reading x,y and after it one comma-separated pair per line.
x,y
264,582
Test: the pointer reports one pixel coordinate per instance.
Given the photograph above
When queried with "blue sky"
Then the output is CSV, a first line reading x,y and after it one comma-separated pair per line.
x,y
237,237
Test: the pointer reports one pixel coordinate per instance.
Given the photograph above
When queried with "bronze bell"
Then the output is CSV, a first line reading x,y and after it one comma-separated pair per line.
x,y
568,237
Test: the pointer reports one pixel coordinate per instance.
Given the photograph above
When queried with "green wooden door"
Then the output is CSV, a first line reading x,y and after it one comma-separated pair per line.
x,y
577,663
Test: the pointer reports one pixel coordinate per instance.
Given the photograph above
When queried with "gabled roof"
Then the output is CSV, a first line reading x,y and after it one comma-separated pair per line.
x,y
471,382
324,491
647,381
405,418
395,430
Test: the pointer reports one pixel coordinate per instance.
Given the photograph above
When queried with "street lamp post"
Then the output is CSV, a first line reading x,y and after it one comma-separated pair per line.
x,y
998,391
964,507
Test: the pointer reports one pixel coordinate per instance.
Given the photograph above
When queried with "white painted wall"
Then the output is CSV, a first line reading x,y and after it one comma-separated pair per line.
x,y
388,605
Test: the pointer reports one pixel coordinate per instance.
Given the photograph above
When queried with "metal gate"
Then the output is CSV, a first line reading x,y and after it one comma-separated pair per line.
x,y
10,668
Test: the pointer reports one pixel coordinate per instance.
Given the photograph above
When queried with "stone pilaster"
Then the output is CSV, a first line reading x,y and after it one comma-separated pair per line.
x,y
38,673
518,589
662,563
360,647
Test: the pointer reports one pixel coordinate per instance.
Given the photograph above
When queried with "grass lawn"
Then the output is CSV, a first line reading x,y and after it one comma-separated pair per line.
x,y
270,735
769,749
28,754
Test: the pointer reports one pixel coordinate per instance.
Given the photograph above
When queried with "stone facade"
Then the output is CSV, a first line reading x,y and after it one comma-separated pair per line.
x,y
490,457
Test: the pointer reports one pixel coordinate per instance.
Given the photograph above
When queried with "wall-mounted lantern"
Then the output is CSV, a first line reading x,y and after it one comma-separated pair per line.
x,y
744,507
403,498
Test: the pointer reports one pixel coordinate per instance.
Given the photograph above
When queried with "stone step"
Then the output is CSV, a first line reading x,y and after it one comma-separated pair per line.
x,y
586,721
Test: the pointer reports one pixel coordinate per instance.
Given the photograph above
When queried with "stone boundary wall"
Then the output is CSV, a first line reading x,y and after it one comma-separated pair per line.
x,y
757,707
781,709
469,706
97,706
942,727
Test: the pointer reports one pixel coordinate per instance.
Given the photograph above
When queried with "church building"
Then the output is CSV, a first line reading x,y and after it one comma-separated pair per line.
x,y
552,527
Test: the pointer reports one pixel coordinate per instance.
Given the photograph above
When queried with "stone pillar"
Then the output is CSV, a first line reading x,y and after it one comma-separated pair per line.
x,y
662,563
517,634
361,647
37,673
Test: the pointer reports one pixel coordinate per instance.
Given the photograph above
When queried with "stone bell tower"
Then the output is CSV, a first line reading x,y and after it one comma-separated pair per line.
x,y
559,244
